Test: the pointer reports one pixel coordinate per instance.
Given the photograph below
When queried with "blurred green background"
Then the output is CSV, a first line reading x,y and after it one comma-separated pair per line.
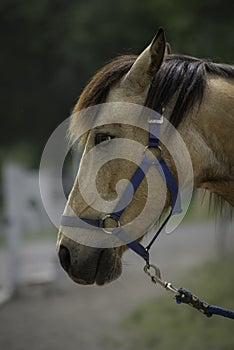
x,y
51,48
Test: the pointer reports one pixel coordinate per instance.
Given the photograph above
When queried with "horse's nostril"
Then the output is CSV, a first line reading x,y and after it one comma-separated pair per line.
x,y
64,257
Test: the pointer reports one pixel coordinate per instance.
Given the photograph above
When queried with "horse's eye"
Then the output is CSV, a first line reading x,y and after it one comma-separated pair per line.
x,y
101,137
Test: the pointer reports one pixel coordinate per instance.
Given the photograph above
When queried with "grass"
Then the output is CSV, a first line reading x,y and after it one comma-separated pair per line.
x,y
163,325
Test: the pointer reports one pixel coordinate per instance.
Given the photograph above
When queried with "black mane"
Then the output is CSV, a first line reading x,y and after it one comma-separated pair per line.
x,y
181,78
185,78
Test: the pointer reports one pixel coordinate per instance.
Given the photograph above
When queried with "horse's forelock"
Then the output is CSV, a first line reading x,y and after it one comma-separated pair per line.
x,y
97,89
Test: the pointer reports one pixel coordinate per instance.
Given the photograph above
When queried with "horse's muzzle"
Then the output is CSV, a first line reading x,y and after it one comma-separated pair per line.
x,y
88,265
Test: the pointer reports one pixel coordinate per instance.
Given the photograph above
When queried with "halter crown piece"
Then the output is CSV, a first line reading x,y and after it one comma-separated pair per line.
x,y
181,295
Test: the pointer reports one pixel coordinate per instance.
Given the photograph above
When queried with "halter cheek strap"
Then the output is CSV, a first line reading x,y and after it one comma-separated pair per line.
x,y
138,176
133,185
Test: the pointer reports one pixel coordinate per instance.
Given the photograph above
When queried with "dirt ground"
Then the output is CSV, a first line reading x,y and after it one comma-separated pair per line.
x,y
48,317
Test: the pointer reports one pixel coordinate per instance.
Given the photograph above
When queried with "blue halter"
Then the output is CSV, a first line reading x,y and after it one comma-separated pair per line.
x,y
181,295
138,176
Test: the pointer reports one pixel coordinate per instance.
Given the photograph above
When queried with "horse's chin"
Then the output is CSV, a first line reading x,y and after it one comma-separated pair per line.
x,y
101,277
108,269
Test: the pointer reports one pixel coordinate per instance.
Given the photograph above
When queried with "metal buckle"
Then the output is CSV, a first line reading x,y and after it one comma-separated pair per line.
x,y
156,121
110,230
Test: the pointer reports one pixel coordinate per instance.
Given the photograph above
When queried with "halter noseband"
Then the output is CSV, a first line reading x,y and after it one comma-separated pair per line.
x,y
138,176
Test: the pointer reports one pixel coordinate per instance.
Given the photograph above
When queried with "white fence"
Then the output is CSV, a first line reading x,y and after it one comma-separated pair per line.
x,y
25,261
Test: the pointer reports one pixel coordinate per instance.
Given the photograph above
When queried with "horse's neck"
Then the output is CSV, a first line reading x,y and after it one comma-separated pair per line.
x,y
209,137
217,118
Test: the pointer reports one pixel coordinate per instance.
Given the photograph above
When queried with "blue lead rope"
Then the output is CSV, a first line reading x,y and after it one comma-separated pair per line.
x,y
186,297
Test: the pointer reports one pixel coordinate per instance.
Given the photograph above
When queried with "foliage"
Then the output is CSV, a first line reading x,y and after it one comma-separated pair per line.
x,y
50,48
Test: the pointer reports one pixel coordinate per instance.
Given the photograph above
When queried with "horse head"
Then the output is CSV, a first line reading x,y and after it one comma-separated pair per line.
x,y
110,112
86,264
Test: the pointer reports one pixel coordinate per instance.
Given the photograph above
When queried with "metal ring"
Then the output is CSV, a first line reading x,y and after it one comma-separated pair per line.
x,y
155,147
107,216
148,268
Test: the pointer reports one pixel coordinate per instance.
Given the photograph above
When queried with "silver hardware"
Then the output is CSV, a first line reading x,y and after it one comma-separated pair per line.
x,y
155,273
156,121
155,276
155,147
109,230
171,288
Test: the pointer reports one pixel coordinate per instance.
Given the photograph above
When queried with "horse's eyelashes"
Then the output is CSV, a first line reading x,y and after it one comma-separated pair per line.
x,y
102,137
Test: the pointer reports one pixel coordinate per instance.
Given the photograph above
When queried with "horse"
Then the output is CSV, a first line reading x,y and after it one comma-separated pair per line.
x,y
197,97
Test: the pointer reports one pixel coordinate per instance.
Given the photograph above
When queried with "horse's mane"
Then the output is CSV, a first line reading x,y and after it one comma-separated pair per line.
x,y
184,78
180,76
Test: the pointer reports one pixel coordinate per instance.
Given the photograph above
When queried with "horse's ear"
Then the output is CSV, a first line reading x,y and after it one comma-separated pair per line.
x,y
147,64
168,49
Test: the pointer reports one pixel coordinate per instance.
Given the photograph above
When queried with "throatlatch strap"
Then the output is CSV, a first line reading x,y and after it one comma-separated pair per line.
x,y
171,185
